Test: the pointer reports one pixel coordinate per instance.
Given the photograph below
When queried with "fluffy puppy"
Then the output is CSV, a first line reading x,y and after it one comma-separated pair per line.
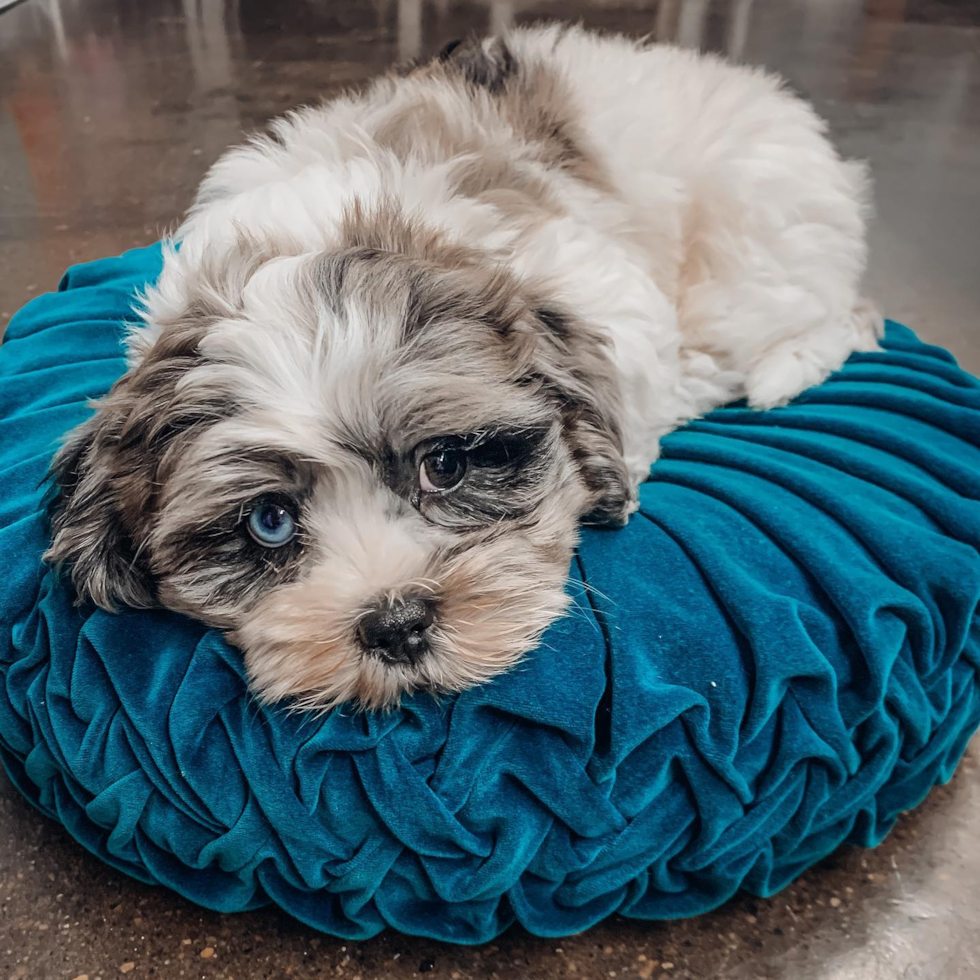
x,y
412,337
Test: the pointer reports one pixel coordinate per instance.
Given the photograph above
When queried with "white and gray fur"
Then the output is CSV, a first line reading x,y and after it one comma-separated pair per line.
x,y
546,250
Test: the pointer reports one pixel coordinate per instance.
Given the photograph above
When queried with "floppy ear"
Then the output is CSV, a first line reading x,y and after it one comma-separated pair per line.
x,y
101,490
107,472
573,358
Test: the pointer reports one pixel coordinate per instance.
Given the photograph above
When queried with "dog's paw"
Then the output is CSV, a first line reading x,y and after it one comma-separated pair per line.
x,y
780,376
794,365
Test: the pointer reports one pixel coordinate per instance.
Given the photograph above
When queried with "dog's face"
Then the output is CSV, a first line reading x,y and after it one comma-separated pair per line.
x,y
368,467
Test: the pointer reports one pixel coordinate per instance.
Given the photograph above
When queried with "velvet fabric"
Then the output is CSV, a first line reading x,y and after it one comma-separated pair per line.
x,y
779,654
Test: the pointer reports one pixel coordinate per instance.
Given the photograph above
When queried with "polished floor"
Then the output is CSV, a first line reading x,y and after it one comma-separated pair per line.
x,y
111,110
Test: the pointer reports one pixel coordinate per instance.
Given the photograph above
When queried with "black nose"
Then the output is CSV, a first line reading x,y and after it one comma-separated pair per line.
x,y
395,632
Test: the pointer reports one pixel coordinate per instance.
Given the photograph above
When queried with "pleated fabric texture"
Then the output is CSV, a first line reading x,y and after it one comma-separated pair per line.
x,y
779,654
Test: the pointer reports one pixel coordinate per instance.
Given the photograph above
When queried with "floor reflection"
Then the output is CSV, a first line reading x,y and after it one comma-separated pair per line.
x,y
111,110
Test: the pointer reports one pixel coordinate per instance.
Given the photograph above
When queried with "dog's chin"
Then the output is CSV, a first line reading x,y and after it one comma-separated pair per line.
x,y
492,605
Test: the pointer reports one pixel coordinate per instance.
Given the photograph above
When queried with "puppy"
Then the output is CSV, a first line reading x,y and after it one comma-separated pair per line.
x,y
413,337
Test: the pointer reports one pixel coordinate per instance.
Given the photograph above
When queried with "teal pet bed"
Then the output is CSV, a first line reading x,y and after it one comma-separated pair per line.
x,y
778,655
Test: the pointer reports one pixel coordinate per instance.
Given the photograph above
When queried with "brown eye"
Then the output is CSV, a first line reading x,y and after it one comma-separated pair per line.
x,y
442,470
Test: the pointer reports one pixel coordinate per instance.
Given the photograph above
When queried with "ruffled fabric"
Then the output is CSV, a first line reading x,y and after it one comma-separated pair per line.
x,y
778,655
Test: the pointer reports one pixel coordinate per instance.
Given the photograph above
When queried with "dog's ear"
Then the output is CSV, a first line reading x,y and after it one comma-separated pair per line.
x,y
573,358
101,489
106,474
484,62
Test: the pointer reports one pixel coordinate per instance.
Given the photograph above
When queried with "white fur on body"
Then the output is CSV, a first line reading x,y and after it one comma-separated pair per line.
x,y
543,253
726,261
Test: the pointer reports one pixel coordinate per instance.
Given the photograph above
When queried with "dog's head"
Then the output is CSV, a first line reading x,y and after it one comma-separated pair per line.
x,y
368,466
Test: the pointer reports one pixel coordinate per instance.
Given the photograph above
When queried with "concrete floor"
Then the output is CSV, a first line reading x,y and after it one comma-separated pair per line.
x,y
111,110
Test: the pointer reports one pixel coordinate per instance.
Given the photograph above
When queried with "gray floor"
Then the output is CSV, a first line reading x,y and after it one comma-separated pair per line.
x,y
110,110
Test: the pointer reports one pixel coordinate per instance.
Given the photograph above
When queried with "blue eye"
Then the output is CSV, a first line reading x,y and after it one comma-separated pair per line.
x,y
271,525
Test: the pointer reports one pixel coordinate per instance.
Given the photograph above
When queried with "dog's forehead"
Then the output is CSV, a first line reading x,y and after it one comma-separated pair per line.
x,y
370,349
314,382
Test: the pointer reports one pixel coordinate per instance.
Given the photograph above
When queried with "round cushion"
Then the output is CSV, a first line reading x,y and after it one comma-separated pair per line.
x,y
777,655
